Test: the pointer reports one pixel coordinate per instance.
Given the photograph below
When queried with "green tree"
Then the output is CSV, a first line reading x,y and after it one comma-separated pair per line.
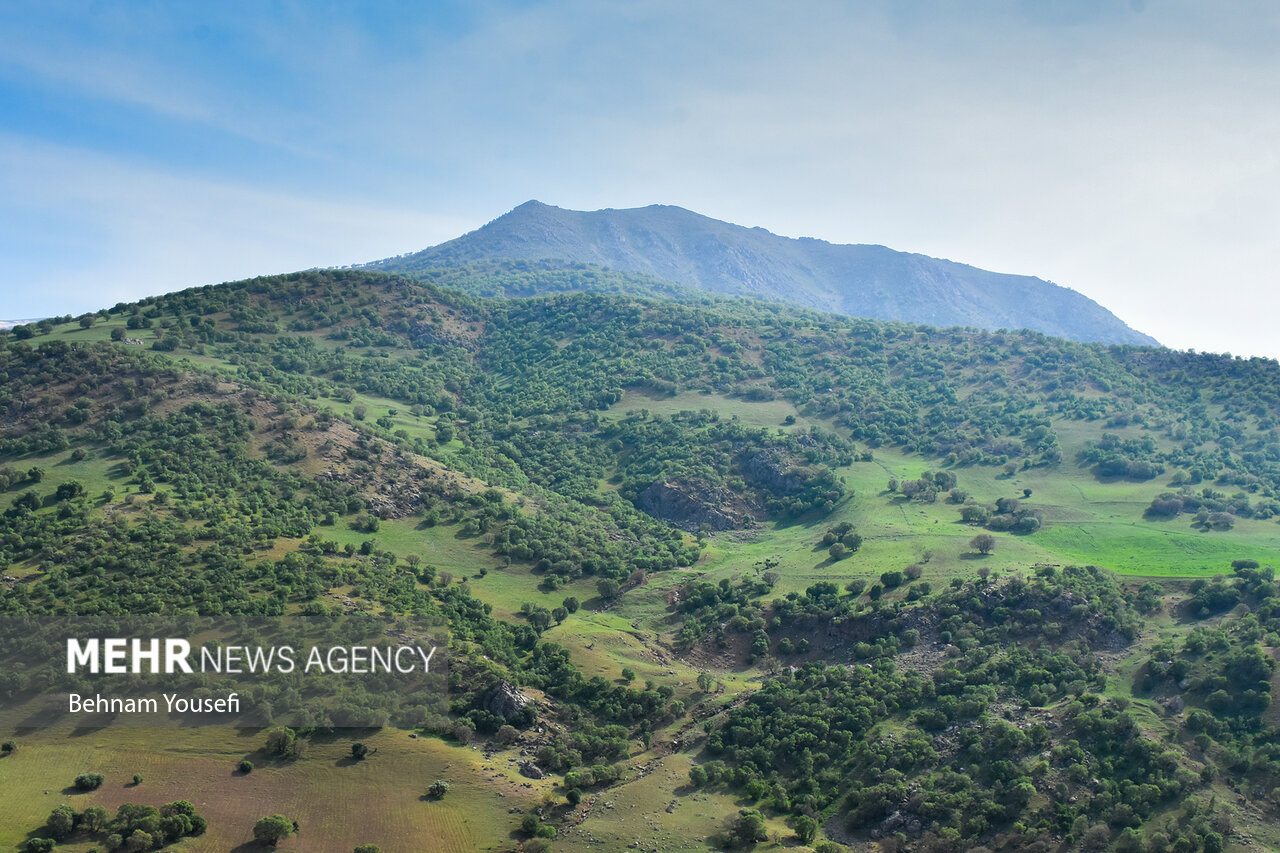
x,y
983,543
749,827
806,828
282,741
61,822
269,830
139,841
88,781
95,819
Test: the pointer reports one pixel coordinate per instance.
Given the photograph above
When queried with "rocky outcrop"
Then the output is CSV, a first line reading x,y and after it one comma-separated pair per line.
x,y
774,472
506,701
690,505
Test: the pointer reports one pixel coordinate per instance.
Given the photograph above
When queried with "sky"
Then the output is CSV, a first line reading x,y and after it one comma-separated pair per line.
x,y
1124,148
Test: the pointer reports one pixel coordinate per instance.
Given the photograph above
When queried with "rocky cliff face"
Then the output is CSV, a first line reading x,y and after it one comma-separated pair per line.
x,y
772,471
690,505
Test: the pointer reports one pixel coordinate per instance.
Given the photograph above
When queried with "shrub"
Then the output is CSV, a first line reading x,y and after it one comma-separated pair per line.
x,y
269,830
246,766
88,781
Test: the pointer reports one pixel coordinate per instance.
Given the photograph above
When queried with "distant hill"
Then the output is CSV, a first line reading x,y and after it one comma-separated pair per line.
x,y
677,245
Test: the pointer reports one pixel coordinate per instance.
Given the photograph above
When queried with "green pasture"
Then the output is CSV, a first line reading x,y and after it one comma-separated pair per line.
x,y
338,803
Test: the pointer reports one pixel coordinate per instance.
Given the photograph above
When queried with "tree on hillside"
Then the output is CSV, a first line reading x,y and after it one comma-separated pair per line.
x,y
806,828
983,543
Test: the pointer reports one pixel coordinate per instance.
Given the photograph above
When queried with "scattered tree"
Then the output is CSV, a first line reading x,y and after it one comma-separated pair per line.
x,y
269,830
88,781
983,543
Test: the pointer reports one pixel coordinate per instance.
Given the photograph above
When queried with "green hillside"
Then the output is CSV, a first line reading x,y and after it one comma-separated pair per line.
x,y
766,576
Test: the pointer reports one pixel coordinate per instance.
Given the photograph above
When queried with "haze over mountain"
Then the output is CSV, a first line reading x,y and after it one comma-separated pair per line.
x,y
686,248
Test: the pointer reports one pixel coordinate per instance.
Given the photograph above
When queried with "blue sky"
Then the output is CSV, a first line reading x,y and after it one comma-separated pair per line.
x,y
1125,149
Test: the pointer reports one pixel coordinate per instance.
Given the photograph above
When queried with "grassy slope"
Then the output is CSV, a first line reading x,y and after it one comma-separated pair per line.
x,y
1086,522
338,803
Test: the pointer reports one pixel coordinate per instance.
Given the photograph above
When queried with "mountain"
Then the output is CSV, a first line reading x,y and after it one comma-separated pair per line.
x,y
678,245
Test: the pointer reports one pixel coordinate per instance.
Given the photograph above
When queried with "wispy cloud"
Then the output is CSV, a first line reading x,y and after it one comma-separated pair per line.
x,y
113,231
1124,149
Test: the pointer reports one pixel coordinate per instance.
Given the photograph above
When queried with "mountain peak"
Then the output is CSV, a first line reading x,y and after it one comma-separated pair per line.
x,y
680,246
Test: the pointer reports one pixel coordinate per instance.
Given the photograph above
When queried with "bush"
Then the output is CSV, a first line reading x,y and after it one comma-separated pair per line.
x,y
246,766
269,830
88,781
438,789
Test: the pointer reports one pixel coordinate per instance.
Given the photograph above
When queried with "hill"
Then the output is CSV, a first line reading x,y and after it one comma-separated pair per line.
x,y
675,245
706,570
